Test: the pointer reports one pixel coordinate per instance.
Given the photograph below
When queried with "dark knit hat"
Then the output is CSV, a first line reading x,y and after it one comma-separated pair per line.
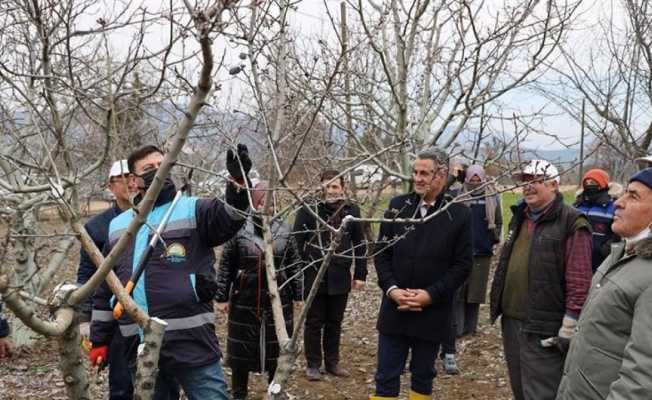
x,y
644,176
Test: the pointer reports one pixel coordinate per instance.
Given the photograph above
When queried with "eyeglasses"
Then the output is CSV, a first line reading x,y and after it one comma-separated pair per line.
x,y
532,179
120,178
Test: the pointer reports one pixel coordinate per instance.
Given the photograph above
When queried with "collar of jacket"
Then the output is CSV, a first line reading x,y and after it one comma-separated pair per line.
x,y
602,201
442,198
642,248
343,205
518,210
165,196
117,210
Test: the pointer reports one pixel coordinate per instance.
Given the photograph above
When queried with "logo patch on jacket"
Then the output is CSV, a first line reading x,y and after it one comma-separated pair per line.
x,y
175,253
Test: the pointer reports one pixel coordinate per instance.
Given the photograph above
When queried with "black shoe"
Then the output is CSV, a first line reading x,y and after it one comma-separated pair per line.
x,y
338,371
313,374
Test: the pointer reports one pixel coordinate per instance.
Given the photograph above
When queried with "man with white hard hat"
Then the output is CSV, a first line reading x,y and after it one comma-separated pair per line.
x,y
541,282
646,161
120,385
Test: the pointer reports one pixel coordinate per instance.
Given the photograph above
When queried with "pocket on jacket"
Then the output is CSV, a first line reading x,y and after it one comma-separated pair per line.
x,y
598,369
586,382
608,355
177,247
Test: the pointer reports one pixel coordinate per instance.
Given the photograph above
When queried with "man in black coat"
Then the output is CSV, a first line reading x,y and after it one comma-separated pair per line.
x,y
420,265
324,321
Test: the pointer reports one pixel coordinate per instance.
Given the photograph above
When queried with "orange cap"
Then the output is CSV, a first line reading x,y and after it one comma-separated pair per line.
x,y
599,175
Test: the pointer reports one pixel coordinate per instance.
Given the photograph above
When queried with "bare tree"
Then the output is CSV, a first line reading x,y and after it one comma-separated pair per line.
x,y
55,77
611,71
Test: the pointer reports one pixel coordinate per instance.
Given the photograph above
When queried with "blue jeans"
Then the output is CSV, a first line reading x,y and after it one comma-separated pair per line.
x,y
393,351
200,383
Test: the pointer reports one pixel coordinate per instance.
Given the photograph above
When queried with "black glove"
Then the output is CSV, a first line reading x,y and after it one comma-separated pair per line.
x,y
563,344
206,287
236,198
233,163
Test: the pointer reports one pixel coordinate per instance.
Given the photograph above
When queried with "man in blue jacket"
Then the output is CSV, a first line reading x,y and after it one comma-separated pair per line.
x,y
178,281
120,386
5,343
597,202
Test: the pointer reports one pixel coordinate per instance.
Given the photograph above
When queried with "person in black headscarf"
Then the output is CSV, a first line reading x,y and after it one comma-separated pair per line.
x,y
252,345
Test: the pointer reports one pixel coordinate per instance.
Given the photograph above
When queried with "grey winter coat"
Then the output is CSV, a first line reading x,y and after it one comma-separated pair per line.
x,y
610,356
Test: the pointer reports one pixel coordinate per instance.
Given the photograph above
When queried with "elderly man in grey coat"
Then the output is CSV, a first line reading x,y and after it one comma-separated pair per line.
x,y
610,356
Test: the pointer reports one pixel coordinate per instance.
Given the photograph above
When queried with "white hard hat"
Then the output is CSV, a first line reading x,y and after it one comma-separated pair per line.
x,y
539,168
119,168
647,159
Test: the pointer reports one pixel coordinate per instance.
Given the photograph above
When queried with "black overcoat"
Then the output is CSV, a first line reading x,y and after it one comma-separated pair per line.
x,y
241,280
435,255
313,240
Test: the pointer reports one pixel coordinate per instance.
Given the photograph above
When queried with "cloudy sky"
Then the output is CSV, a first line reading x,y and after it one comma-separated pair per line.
x,y
310,21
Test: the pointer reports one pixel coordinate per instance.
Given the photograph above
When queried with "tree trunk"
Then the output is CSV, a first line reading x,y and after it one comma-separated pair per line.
x,y
288,350
148,353
72,368
26,273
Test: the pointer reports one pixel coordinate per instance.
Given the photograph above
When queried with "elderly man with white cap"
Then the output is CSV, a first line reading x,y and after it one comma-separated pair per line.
x,y
541,282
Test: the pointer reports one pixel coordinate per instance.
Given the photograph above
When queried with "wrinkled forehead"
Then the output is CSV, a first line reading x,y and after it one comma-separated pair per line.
x,y
425,163
639,189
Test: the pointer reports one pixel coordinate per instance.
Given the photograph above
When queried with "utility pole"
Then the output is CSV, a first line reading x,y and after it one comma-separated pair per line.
x,y
582,145
347,93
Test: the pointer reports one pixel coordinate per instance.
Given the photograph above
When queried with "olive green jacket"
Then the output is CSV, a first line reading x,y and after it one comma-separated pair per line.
x,y
610,356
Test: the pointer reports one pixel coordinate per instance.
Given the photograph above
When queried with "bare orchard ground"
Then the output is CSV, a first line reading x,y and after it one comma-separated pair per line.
x,y
483,373
32,373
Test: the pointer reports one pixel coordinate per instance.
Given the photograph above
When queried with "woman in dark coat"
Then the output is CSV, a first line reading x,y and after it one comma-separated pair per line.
x,y
252,345
487,221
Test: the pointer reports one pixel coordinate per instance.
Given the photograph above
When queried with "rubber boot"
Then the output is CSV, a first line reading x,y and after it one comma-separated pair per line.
x,y
418,396
374,397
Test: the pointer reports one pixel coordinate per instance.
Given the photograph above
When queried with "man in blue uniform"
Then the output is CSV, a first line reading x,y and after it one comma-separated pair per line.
x,y
178,281
597,202
5,343
120,386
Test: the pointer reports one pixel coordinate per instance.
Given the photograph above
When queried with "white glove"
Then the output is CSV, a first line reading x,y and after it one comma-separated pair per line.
x,y
566,332
568,327
85,330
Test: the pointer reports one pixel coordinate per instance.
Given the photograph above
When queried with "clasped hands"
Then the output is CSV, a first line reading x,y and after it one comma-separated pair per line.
x,y
410,299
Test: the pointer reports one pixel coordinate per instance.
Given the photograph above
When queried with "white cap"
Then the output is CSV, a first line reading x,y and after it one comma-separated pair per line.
x,y
119,168
540,168
647,159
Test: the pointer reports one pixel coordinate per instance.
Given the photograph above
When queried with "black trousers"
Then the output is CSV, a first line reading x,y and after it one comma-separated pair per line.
x,y
453,330
120,385
393,351
324,328
240,381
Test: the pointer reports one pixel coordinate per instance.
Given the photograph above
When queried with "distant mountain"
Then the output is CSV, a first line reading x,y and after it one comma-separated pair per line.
x,y
561,156
556,156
